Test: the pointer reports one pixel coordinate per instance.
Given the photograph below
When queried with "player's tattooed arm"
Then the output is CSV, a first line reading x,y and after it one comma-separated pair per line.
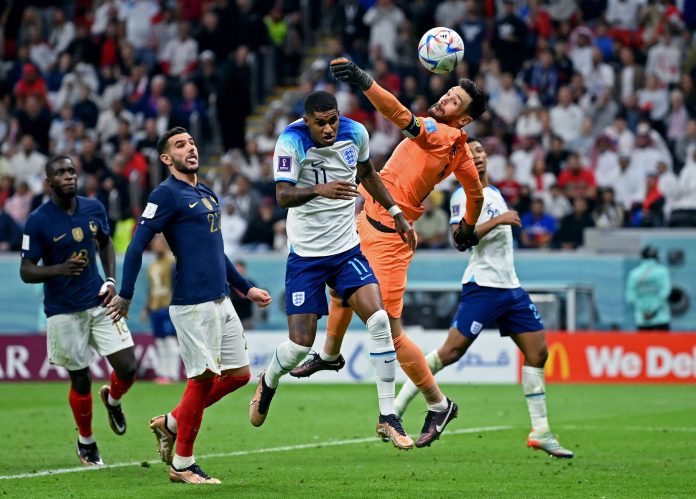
x,y
30,272
289,196
374,186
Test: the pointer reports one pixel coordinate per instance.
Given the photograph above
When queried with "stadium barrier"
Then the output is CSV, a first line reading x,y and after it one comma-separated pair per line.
x,y
596,357
23,358
592,357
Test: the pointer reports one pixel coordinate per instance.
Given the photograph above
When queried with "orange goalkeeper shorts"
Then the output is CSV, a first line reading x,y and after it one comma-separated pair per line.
x,y
389,258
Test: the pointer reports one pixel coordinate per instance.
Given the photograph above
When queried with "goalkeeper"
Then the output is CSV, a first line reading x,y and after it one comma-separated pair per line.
x,y
434,148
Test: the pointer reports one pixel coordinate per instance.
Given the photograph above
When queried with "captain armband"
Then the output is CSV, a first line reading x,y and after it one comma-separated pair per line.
x,y
413,129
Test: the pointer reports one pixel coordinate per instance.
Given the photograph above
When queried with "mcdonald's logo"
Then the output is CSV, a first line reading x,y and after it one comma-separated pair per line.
x,y
558,350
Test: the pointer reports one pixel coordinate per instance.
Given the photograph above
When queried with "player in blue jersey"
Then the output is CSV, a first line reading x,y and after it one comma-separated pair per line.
x,y
316,162
65,233
491,293
210,334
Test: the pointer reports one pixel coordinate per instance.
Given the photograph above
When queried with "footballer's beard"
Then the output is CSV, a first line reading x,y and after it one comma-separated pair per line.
x,y
184,167
438,114
66,195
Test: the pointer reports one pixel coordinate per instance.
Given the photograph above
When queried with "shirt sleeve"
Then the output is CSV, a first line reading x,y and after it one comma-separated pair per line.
x,y
363,143
468,176
286,165
32,247
457,206
103,220
161,207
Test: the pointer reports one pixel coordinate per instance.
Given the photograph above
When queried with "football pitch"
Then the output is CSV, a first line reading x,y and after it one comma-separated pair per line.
x,y
318,441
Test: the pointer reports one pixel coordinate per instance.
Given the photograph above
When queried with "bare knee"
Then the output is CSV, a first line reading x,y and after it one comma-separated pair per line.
x,y
449,354
81,381
537,357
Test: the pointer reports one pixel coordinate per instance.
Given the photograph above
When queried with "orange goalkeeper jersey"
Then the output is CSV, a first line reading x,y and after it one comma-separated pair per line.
x,y
420,163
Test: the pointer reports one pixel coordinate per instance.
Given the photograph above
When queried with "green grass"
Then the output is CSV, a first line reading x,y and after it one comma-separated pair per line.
x,y
630,441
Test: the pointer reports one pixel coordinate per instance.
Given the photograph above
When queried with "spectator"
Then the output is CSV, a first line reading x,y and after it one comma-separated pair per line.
x,y
583,143
507,101
509,187
510,39
523,159
450,13
648,288
652,212
542,180
85,109
246,198
684,205
234,100
566,117
541,77
473,31
180,55
629,184
27,164
260,233
538,227
668,185
576,180
607,162
631,77
664,60
61,34
557,205
35,120
233,227
608,214
432,227
677,119
30,85
654,100
383,19
600,79
17,206
570,234
621,135
10,233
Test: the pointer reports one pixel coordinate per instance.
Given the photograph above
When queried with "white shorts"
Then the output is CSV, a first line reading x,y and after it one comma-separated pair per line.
x,y
211,337
72,338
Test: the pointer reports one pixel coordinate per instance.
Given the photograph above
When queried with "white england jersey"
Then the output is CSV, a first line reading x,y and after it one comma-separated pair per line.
x,y
322,226
491,262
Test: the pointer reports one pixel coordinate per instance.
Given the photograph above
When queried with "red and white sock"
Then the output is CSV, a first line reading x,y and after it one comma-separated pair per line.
x,y
118,388
81,406
189,415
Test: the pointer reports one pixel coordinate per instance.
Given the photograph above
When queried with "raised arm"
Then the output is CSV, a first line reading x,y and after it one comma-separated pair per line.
x,y
388,105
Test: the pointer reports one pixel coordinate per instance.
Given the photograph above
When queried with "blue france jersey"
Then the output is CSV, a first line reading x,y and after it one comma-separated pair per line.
x,y
189,218
322,226
53,235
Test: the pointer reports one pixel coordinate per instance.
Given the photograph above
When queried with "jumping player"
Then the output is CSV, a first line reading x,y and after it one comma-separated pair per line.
x,y
211,337
434,148
491,293
316,163
65,233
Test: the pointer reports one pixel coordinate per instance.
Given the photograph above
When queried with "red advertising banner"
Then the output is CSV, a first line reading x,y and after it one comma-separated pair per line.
x,y
23,358
601,357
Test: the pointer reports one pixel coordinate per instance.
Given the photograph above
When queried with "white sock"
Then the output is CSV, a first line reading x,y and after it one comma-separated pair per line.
x,y
287,357
86,440
533,386
112,401
409,391
182,462
328,358
170,423
383,357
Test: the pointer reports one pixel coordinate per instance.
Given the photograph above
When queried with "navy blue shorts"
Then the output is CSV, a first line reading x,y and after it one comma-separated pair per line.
x,y
306,279
482,307
161,323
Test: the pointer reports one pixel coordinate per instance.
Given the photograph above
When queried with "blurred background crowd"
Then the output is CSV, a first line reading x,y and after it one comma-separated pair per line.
x,y
591,120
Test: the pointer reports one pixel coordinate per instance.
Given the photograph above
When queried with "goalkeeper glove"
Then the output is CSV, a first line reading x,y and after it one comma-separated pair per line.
x,y
465,237
348,71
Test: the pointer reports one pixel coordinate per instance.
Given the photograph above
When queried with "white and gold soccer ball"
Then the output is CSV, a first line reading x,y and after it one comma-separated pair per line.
x,y
440,50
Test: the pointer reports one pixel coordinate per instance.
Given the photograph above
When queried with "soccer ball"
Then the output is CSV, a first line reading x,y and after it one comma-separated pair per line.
x,y
440,50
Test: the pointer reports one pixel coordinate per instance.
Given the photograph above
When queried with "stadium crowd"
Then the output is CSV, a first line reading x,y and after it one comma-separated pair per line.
x,y
591,121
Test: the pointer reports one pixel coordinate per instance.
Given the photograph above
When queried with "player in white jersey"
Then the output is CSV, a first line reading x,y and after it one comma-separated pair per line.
x,y
316,162
491,293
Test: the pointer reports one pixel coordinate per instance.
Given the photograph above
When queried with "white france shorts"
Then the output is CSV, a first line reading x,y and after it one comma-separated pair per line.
x,y
72,338
211,336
